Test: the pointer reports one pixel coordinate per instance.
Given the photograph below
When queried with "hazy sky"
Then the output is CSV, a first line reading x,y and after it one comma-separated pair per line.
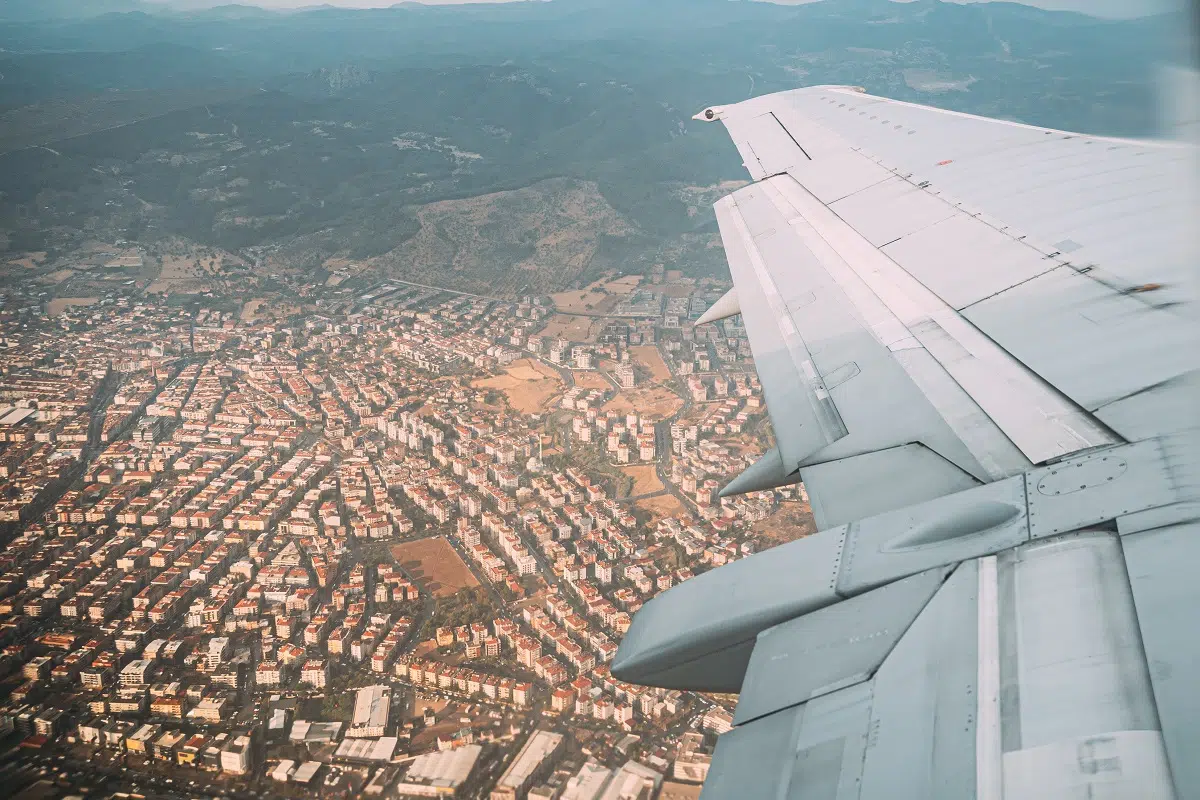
x,y
1103,8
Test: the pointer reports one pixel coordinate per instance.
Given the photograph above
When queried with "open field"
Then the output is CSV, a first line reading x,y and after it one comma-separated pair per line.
x,y
573,329
435,564
58,276
189,267
251,308
599,297
176,270
645,479
585,301
665,505
647,356
29,260
60,304
590,379
651,402
527,384
626,284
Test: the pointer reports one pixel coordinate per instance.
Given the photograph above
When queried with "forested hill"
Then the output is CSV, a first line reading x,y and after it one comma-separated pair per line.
x,y
371,134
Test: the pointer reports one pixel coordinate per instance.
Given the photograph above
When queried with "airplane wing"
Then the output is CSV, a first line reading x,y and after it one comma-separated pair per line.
x,y
975,343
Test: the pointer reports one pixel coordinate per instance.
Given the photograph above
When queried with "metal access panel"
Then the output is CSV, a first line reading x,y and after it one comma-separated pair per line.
x,y
1084,491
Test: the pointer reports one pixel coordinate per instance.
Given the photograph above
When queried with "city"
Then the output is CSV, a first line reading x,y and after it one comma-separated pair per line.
x,y
387,548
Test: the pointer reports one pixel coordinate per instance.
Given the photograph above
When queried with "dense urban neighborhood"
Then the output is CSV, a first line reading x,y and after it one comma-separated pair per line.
x,y
385,542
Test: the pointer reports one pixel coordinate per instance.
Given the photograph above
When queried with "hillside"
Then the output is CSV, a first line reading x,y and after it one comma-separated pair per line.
x,y
518,146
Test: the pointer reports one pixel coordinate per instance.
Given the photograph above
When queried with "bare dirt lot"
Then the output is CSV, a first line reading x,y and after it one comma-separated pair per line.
x,y
792,521
58,276
626,284
672,790
29,260
651,402
645,479
590,380
665,505
599,297
573,329
585,301
252,309
434,563
647,356
529,385
60,304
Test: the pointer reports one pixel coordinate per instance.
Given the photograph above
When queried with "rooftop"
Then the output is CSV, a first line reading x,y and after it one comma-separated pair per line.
x,y
447,768
536,749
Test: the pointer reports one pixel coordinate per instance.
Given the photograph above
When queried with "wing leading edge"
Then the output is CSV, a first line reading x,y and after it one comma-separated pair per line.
x,y
974,343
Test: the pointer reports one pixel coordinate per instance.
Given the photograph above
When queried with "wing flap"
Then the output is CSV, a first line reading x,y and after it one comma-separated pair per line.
x,y
833,388
926,706
1167,597
803,415
833,648
898,477
808,752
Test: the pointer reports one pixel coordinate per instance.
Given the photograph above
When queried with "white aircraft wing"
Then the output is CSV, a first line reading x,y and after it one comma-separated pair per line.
x,y
976,344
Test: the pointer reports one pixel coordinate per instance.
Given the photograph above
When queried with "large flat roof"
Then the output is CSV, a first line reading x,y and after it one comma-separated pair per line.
x,y
587,783
630,780
368,749
371,706
539,745
446,768
305,731
306,771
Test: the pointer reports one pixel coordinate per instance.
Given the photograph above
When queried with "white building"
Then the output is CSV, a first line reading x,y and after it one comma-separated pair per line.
x,y
218,652
137,673
284,771
235,756
439,774
372,707
632,782
314,673
530,763
587,783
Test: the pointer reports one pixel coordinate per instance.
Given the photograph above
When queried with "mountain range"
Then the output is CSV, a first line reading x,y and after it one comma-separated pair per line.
x,y
359,134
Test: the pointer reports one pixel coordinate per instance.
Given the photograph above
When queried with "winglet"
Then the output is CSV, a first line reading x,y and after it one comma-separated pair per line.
x,y
766,473
724,308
